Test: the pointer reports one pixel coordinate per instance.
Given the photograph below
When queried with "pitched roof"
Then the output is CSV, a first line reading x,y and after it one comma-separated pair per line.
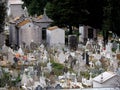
x,y
23,22
16,18
52,28
44,18
104,76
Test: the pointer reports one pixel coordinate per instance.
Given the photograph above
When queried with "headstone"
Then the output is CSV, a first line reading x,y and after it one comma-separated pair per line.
x,y
38,88
45,58
109,47
118,48
10,57
98,63
58,86
100,43
1,72
70,58
4,49
49,66
65,69
24,79
89,45
114,45
87,59
72,42
20,51
33,46
61,57
81,31
16,60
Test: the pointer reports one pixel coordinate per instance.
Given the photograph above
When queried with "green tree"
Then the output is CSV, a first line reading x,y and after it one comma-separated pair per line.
x,y
107,21
35,6
95,10
115,15
2,15
67,12
111,20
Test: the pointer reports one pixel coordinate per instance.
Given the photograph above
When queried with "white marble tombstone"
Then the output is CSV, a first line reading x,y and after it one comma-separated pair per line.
x,y
118,49
100,43
49,66
61,57
45,56
4,49
109,47
10,55
24,79
20,51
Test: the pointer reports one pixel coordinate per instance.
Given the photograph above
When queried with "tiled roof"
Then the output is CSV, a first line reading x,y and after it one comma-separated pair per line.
x,y
40,17
44,18
23,23
16,18
52,28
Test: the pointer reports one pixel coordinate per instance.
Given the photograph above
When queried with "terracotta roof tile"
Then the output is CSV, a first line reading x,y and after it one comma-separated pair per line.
x,y
52,28
23,23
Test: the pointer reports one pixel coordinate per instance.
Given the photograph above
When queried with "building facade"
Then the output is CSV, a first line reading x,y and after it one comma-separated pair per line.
x,y
55,36
24,30
15,8
87,32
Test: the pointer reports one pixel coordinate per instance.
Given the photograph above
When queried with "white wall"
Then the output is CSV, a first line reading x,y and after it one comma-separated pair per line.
x,y
56,37
15,10
29,33
81,31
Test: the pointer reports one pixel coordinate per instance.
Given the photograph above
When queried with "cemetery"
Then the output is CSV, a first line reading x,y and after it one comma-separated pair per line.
x,y
61,66
38,57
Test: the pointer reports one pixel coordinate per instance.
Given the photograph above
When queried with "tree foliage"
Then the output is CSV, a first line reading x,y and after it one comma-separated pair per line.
x,y
95,9
67,12
2,16
115,16
35,6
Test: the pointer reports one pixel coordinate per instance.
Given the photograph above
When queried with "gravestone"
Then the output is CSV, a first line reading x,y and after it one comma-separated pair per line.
x,y
73,42
15,60
61,57
33,46
114,45
70,59
109,47
58,86
4,49
38,88
86,57
118,48
49,66
1,72
20,51
24,79
10,56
